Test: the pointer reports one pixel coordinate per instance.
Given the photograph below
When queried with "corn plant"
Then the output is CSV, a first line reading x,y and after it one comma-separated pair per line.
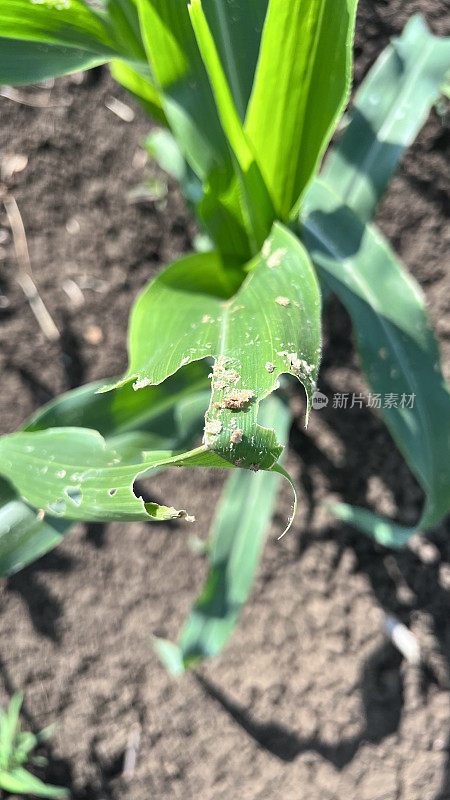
x,y
249,94
16,750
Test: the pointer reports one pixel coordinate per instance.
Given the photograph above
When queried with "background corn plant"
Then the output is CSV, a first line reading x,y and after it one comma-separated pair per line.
x,y
16,751
250,93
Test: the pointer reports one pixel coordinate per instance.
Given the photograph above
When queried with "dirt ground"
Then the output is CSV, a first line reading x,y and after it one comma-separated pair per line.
x,y
309,701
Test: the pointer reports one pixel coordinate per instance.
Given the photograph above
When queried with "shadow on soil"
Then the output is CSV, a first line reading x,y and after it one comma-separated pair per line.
x,y
382,705
381,683
44,609
381,687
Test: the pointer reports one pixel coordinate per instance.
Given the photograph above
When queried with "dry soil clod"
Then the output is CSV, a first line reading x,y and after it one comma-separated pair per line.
x,y
276,258
213,427
237,399
299,365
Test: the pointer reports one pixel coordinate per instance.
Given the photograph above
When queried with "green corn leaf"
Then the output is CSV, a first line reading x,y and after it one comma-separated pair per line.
x,y
390,108
27,742
56,37
13,713
189,105
238,535
301,87
24,536
74,473
173,54
380,530
215,204
15,749
70,23
4,739
231,123
181,78
258,206
268,326
124,17
237,28
20,781
9,727
221,212
162,147
158,410
23,62
159,417
142,88
165,417
398,350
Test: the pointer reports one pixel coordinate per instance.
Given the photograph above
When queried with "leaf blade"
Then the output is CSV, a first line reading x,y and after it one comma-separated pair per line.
x,y
141,87
162,417
258,207
23,62
189,105
390,108
20,781
23,536
382,531
399,353
301,85
175,61
75,474
269,326
73,25
237,34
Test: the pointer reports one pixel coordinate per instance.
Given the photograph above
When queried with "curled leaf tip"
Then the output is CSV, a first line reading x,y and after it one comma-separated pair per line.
x,y
278,468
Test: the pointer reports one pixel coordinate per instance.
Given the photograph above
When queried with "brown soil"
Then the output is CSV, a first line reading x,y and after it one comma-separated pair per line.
x,y
309,700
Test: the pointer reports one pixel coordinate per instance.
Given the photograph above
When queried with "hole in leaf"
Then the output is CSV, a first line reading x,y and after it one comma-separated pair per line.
x,y
112,492
58,507
74,494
